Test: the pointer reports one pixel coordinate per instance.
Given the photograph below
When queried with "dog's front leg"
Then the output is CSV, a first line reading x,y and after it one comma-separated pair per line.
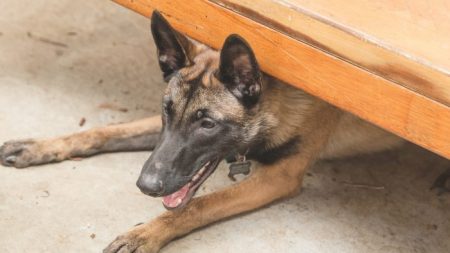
x,y
267,184
138,135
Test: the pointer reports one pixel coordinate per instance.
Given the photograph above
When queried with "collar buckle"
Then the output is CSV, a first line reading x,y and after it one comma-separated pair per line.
x,y
240,166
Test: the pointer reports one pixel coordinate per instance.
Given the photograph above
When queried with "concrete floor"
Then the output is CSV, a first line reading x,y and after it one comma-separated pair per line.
x,y
61,59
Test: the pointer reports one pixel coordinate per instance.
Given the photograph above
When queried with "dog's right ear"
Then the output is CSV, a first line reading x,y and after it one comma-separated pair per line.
x,y
173,48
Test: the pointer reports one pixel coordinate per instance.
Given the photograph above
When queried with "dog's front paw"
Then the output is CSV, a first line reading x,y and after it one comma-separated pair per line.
x,y
18,154
142,239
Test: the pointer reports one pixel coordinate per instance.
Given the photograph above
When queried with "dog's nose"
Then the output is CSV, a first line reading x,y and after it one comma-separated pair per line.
x,y
150,185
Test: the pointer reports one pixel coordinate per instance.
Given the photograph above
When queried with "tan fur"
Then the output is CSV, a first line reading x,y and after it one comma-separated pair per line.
x,y
288,107
283,112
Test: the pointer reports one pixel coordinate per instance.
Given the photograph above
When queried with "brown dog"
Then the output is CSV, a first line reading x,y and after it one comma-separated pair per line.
x,y
216,104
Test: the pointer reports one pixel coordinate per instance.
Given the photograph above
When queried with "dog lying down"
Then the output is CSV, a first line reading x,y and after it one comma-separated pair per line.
x,y
216,104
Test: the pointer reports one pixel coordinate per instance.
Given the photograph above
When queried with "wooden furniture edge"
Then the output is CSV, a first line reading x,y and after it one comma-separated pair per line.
x,y
375,99
349,45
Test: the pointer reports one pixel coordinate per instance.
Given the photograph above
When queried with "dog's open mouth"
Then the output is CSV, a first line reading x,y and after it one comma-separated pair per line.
x,y
181,197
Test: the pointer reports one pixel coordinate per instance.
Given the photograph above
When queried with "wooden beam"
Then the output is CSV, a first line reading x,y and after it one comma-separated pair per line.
x,y
373,98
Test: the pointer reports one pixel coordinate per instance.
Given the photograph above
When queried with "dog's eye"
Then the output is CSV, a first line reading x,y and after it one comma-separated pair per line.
x,y
208,124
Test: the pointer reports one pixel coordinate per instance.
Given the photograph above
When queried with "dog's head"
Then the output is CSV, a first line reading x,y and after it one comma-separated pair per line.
x,y
208,110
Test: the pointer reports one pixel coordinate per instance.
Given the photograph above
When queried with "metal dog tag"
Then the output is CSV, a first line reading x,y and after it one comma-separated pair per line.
x,y
239,167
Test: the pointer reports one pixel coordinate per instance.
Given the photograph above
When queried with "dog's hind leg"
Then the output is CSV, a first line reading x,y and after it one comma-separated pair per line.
x,y
138,135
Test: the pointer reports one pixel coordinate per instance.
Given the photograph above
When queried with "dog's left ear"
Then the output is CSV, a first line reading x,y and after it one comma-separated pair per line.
x,y
239,70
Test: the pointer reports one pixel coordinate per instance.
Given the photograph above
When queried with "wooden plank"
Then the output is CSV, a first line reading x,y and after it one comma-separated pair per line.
x,y
419,28
378,100
343,31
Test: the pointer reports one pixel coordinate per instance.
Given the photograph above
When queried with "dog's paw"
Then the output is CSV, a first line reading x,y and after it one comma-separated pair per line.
x,y
18,154
442,184
141,239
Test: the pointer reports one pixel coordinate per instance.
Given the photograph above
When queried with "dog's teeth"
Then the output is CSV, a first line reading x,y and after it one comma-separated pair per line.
x,y
200,172
197,176
179,201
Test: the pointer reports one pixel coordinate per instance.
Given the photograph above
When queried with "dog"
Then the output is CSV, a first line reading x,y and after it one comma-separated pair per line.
x,y
217,104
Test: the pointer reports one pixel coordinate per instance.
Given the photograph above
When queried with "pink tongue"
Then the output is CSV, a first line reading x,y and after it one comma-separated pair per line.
x,y
175,199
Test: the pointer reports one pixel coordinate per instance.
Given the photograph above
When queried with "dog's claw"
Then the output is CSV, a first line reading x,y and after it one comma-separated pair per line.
x,y
11,159
116,246
16,153
442,183
141,239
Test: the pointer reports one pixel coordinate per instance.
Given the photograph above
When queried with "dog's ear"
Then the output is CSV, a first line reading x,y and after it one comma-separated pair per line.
x,y
173,48
239,70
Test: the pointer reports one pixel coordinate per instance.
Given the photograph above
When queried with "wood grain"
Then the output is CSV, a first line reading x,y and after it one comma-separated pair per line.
x,y
419,28
373,98
380,40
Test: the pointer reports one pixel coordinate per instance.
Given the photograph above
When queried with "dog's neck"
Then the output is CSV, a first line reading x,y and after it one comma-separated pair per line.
x,y
277,123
